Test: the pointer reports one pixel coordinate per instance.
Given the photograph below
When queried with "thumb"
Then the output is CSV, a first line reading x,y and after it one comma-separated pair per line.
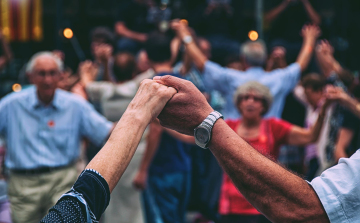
x,y
170,81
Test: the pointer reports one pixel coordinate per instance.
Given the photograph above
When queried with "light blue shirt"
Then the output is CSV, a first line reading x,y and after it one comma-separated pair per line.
x,y
226,80
39,136
338,189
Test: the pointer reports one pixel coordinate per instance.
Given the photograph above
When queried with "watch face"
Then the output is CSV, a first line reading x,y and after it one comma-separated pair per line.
x,y
202,135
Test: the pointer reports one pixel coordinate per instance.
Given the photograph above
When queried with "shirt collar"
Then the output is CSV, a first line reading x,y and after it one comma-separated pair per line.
x,y
36,103
257,69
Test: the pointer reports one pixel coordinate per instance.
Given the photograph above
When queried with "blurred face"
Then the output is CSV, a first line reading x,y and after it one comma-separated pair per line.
x,y
142,62
313,97
251,105
45,76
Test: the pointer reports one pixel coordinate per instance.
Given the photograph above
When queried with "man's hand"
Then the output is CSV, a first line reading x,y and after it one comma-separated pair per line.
x,y
140,180
187,109
324,47
310,32
87,72
336,94
150,99
181,28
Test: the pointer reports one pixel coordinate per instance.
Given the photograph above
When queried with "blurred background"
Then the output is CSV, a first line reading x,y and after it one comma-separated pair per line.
x,y
34,25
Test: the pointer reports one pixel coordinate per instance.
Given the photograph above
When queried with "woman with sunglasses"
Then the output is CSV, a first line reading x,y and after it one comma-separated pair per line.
x,y
266,135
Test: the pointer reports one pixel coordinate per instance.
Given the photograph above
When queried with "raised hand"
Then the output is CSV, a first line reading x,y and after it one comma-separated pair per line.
x,y
187,109
151,98
181,28
88,72
310,32
324,47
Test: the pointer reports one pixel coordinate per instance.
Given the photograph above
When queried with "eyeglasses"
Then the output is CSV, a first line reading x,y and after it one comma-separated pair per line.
x,y
254,98
44,73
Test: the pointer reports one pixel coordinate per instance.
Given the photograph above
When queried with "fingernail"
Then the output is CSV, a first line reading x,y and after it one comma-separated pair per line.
x,y
157,78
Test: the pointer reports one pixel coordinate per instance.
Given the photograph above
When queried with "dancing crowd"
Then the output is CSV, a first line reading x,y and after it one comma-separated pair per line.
x,y
134,137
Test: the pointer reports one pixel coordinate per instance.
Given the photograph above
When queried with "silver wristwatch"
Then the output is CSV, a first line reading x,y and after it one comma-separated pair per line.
x,y
202,133
187,39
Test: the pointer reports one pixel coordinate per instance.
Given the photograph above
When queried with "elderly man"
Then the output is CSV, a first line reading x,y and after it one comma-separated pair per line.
x,y
279,81
43,127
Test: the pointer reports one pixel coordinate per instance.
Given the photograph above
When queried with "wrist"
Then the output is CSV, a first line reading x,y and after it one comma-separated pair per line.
x,y
217,133
138,117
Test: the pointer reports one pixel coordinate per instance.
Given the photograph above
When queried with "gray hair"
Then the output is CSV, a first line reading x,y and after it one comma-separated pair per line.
x,y
260,89
30,65
254,53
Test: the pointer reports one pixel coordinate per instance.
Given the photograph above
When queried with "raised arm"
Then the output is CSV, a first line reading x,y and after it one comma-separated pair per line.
x,y
278,194
271,15
116,154
313,15
339,95
310,33
325,58
122,30
198,58
7,56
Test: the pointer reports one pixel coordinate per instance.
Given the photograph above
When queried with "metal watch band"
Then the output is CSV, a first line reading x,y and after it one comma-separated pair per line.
x,y
207,124
187,39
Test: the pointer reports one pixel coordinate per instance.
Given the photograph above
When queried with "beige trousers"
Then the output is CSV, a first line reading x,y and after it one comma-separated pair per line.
x,y
31,196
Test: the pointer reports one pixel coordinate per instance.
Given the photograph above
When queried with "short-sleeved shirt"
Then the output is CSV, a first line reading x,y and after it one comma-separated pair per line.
x,y
339,191
273,133
227,80
172,155
48,136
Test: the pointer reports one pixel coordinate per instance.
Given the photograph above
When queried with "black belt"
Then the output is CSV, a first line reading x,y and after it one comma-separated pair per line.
x,y
40,170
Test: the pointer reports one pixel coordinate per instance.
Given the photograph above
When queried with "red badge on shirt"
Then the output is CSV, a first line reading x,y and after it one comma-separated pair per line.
x,y
51,123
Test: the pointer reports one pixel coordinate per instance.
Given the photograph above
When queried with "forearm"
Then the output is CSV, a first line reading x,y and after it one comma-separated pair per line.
x,y
6,48
305,53
152,144
198,58
313,15
351,104
181,137
123,31
116,154
324,63
316,129
107,76
274,13
280,195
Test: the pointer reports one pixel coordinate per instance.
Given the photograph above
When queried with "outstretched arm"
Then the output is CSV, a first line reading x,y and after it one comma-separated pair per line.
x,y
278,194
116,154
313,15
192,49
270,16
6,58
301,136
310,33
